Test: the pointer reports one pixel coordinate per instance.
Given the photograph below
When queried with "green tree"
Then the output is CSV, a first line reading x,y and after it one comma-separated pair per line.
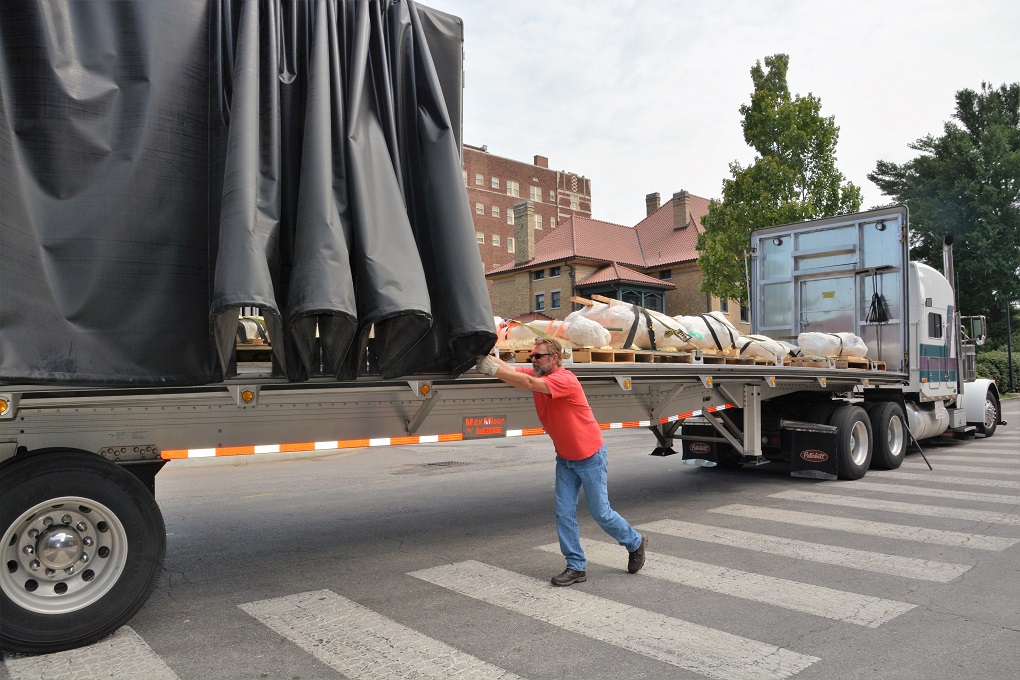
x,y
793,177
967,183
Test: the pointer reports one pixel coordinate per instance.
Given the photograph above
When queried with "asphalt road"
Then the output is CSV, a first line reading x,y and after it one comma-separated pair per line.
x,y
434,561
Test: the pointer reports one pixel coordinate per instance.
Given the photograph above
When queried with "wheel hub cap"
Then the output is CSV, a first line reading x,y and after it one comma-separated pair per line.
x,y
59,548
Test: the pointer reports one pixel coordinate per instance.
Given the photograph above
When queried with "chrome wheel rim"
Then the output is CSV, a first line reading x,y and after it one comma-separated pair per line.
x,y
859,443
895,437
62,555
990,413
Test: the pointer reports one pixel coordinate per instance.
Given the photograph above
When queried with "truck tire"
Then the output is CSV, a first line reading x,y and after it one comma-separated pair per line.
x,y
853,441
83,544
992,415
890,431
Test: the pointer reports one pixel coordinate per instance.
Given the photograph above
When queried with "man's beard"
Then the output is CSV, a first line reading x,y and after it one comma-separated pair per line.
x,y
537,371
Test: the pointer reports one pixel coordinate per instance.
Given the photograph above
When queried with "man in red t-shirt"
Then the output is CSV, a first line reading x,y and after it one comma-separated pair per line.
x,y
580,455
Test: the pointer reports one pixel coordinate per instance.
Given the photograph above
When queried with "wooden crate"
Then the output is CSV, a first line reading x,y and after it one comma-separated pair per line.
x,y
582,355
613,355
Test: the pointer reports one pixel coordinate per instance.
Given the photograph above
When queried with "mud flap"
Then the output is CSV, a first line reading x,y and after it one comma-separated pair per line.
x,y
812,449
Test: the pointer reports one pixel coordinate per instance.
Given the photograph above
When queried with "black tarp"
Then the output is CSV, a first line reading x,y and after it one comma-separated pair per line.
x,y
165,164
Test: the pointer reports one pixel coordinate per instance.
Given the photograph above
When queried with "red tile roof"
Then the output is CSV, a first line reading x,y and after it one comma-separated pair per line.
x,y
616,272
653,242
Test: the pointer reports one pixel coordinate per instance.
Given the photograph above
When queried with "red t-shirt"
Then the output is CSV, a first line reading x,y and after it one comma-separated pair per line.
x,y
566,415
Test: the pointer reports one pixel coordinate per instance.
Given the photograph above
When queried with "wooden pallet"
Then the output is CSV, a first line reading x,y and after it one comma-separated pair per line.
x,y
801,362
613,356
647,356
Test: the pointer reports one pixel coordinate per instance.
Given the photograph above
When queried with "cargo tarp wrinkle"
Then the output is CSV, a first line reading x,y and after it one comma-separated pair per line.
x,y
166,165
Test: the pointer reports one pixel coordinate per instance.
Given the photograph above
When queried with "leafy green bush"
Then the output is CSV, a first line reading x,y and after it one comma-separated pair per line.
x,y
995,365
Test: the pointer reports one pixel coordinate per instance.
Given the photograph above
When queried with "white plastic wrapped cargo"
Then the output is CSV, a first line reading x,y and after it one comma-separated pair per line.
x,y
712,332
515,335
619,319
763,347
832,344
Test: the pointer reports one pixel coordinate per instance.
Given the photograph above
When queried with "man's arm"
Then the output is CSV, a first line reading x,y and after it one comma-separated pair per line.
x,y
500,369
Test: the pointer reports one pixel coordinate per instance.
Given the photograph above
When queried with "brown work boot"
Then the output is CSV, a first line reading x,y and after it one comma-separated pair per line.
x,y
637,558
569,577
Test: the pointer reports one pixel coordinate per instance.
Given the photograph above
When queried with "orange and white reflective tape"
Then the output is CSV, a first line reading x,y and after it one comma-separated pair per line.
x,y
176,454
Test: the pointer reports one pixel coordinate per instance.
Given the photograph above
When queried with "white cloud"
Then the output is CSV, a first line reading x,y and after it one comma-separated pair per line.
x,y
644,96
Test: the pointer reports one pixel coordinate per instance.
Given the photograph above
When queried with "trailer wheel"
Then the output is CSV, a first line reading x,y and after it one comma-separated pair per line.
x,y
992,415
890,431
83,544
853,441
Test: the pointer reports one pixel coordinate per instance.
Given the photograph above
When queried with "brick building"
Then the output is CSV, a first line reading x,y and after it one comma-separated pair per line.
x,y
653,264
495,184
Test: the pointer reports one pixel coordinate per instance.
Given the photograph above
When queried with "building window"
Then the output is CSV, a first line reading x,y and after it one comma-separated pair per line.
x,y
509,215
554,299
552,222
513,188
745,314
539,302
495,211
536,194
538,221
554,271
480,237
539,275
575,203
552,196
495,239
478,178
510,245
494,182
479,209
724,306
665,273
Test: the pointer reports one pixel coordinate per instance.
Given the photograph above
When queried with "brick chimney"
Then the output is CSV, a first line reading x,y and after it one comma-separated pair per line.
x,y
541,161
652,203
681,210
524,232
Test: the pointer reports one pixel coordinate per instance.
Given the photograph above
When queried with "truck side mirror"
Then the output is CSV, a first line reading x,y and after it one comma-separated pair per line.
x,y
976,329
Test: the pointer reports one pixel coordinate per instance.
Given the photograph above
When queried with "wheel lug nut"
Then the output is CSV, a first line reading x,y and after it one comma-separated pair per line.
x,y
88,541
70,570
47,521
85,557
34,565
28,550
33,533
80,526
66,519
50,572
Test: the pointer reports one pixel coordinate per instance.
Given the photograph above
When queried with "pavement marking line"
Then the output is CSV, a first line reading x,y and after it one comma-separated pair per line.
x,y
934,476
966,468
936,457
123,655
362,644
936,493
710,652
861,610
907,567
901,532
863,503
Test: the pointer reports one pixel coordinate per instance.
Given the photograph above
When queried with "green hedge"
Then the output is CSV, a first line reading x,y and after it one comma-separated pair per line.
x,y
995,365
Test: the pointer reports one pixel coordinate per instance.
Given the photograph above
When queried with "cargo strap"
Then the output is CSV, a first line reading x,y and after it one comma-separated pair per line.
x,y
708,322
638,313
840,352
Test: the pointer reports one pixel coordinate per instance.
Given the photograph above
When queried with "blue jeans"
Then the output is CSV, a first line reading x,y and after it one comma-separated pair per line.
x,y
590,473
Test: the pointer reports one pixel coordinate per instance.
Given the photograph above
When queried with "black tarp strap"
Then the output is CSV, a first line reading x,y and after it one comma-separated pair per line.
x,y
638,313
840,352
708,322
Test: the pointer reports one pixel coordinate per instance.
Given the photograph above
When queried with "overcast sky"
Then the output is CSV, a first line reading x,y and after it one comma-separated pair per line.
x,y
643,96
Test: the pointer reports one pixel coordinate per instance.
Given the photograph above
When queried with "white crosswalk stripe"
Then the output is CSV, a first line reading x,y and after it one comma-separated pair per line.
x,y
858,526
937,477
362,644
710,652
864,503
936,457
861,485
124,655
861,610
907,567
965,468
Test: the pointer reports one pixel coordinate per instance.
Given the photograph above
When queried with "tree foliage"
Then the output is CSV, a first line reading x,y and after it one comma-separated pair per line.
x,y
967,183
793,177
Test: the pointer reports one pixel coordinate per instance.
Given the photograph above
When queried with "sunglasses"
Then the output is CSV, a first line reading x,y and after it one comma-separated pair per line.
x,y
539,355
